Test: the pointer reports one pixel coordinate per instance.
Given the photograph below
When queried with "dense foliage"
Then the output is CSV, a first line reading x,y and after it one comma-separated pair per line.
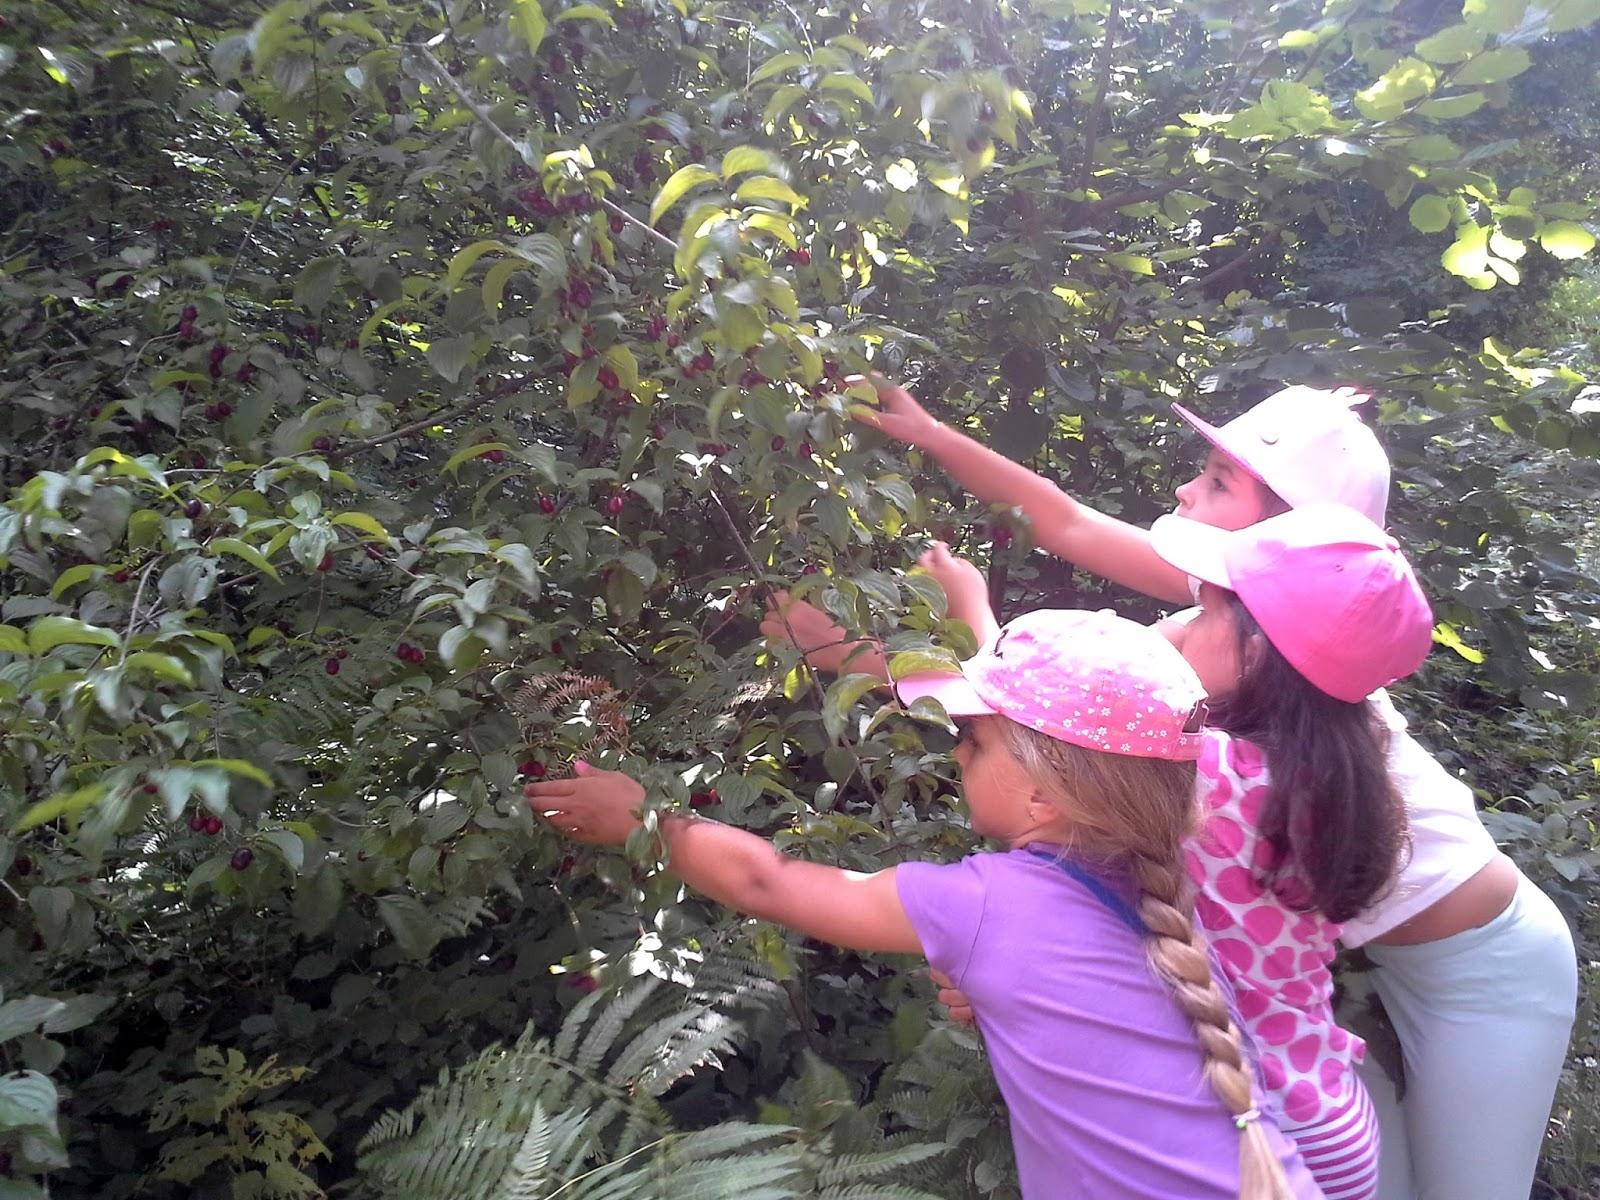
x,y
399,399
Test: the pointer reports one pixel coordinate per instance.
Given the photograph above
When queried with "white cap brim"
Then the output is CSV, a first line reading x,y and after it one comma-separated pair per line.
x,y
1194,548
954,692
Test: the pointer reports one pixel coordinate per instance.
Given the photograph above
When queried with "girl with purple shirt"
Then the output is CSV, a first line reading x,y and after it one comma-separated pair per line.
x,y
1114,1044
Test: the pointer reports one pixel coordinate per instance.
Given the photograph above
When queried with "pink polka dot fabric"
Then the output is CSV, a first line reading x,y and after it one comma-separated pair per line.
x,y
1277,957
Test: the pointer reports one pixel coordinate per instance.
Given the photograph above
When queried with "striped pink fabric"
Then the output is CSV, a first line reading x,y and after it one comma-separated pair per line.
x,y
1341,1149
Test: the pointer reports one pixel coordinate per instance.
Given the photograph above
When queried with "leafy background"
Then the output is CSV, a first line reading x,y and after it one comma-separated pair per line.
x,y
398,400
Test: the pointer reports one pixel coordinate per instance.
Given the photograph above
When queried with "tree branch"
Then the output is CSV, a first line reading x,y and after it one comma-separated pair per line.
x,y
518,148
1091,137
1232,265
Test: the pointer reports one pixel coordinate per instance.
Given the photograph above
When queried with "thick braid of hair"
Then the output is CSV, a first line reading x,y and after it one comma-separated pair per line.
x,y
1177,950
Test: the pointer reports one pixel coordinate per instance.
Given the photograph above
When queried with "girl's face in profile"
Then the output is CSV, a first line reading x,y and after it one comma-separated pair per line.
x,y
998,791
1225,495
1210,643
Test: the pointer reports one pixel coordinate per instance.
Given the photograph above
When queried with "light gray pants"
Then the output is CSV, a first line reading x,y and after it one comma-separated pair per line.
x,y
1483,1019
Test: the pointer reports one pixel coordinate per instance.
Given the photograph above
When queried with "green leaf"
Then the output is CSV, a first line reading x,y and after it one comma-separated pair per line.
x,y
586,12
468,453
72,577
1447,108
288,845
1134,264
63,804
546,253
237,766
1430,214
1494,16
744,159
776,65
365,522
1298,39
162,666
678,185
467,257
317,281
46,633
841,698
1455,44
768,187
1408,80
851,85
449,356
239,549
495,280
24,1015
1448,636
1565,239
13,640
414,929
28,1102
1494,66
530,15
1468,255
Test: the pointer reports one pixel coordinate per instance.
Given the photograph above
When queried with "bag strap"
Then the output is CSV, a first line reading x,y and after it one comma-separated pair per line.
x,y
1097,888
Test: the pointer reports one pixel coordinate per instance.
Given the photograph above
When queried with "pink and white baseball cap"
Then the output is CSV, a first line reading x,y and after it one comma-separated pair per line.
x,y
1090,678
1329,589
1309,447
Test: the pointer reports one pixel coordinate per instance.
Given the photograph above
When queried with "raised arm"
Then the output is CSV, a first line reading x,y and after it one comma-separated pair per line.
x,y
745,872
1065,527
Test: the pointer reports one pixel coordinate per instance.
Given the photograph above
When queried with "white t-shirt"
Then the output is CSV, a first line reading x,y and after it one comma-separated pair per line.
x,y
1447,843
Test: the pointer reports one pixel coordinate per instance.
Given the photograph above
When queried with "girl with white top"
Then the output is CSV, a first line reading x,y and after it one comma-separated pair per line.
x,y
1461,930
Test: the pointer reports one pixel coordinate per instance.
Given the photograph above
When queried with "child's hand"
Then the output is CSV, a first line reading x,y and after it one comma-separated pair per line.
x,y
599,807
964,586
900,416
825,644
952,998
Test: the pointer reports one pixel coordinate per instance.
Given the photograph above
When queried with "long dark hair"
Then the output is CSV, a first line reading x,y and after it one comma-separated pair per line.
x,y
1334,822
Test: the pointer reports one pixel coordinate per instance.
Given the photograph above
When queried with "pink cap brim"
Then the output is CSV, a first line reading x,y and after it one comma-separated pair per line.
x,y
1219,439
1194,548
959,698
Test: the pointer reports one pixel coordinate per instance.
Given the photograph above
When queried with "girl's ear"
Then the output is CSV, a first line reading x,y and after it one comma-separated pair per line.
x,y
1255,652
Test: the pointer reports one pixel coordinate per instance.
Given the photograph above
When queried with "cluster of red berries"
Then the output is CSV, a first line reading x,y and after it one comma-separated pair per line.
x,y
407,653
206,823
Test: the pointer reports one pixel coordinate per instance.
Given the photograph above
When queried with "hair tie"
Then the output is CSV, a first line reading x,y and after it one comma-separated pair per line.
x,y
1245,1118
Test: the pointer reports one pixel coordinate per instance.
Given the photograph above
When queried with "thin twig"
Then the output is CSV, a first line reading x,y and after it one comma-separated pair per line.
x,y
800,25
520,148
415,426
133,609
1091,137
249,232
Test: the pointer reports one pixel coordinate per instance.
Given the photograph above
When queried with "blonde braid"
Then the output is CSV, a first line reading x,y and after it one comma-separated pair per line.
x,y
1177,950
1144,808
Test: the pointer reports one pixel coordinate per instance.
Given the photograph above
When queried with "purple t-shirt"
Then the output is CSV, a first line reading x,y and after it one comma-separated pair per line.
x,y
1099,1067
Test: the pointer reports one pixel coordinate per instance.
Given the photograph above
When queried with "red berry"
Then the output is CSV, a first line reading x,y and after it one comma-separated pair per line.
x,y
495,456
213,825
547,505
119,577
674,341
614,505
374,553
778,444
198,461
341,654
331,666
809,569
617,223
242,858
322,445
149,789
800,257
403,652
608,378
805,450
190,313
585,983
24,865
566,865
194,510
1001,536
555,647
327,562
705,799
703,361
223,409
197,823
533,768
657,432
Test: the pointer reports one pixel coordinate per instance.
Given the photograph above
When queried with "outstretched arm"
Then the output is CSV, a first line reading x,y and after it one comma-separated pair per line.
x,y
1065,527
745,872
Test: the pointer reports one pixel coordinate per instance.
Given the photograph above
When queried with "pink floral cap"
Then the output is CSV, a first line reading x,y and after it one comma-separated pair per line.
x,y
1090,678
